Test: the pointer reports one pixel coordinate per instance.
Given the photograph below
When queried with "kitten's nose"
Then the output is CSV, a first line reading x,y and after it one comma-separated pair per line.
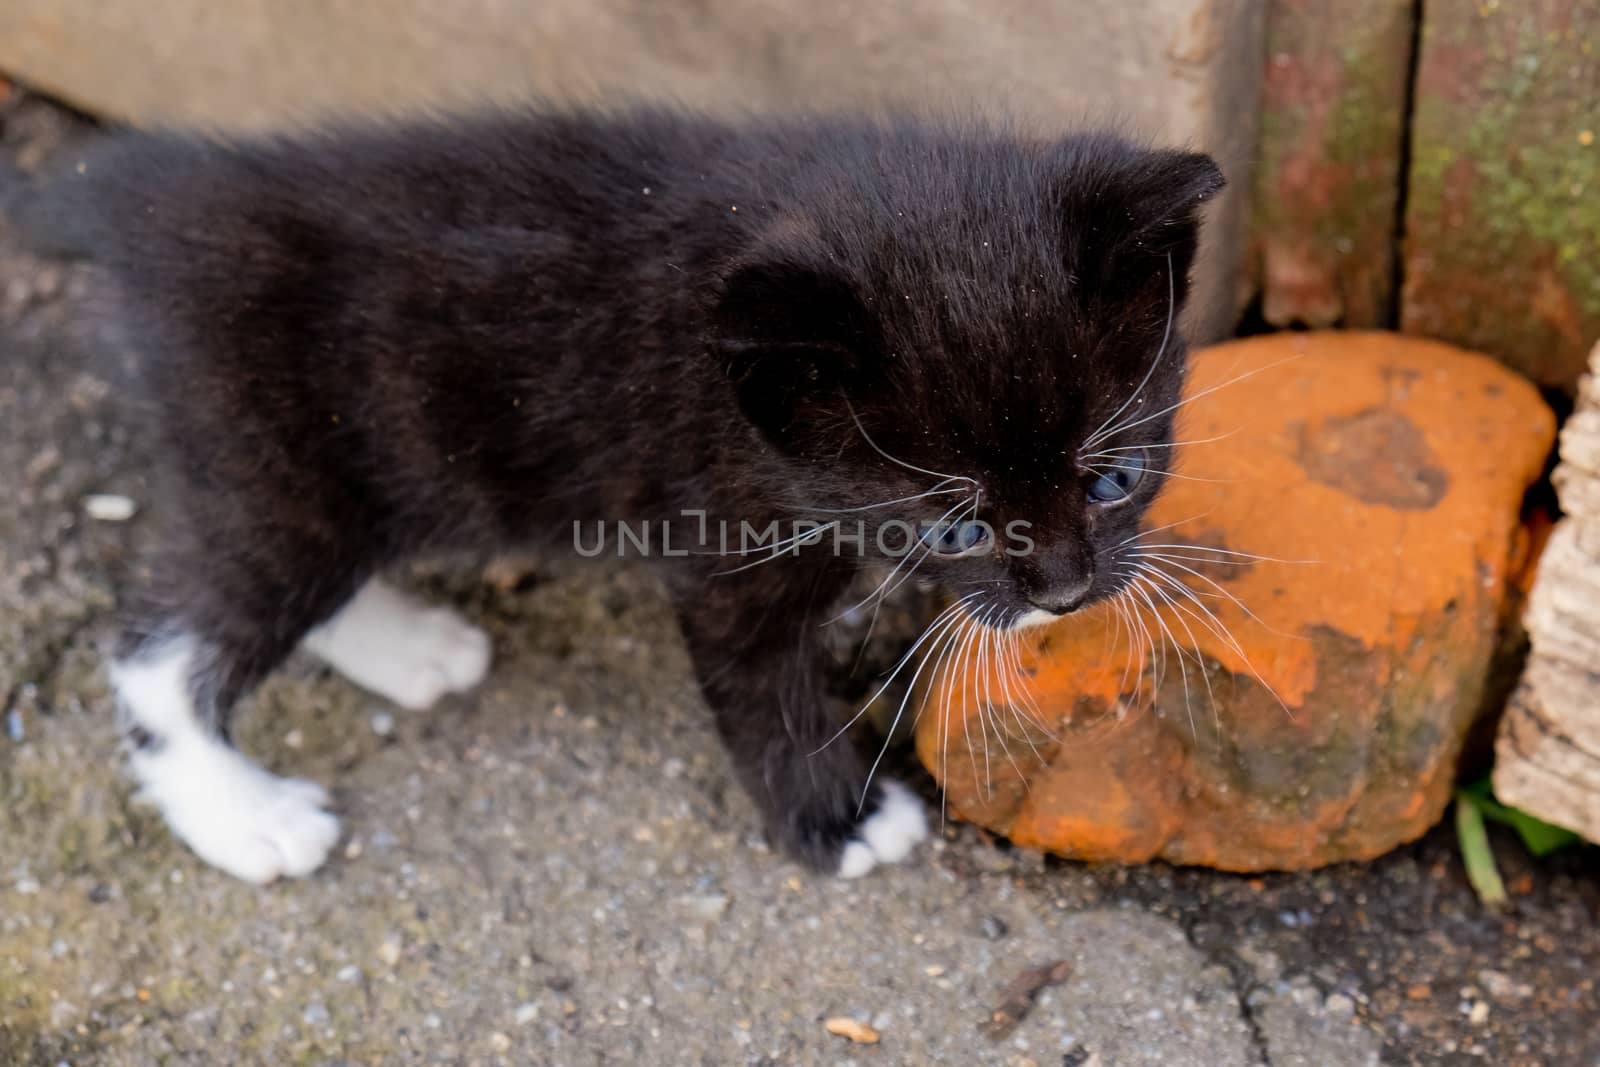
x,y
1061,599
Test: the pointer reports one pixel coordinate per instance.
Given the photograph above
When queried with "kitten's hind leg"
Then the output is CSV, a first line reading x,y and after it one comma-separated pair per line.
x,y
232,813
400,647
216,614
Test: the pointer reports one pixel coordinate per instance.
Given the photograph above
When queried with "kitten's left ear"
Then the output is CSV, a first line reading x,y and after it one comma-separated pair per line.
x,y
1165,207
792,338
1133,221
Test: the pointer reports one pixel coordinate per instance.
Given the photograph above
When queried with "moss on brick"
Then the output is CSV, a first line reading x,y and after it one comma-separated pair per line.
x,y
1502,245
1328,181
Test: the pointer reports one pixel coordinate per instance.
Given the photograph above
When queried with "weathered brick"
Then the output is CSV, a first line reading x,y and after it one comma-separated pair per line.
x,y
1328,182
1503,207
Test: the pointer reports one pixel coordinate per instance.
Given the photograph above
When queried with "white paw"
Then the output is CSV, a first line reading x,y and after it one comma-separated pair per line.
x,y
440,653
888,835
233,814
402,649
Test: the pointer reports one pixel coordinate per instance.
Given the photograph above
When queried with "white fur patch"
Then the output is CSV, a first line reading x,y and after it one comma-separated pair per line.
x,y
888,835
401,648
233,814
1035,617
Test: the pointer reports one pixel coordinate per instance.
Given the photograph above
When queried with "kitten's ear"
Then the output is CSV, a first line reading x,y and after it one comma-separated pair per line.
x,y
792,338
1165,210
1141,215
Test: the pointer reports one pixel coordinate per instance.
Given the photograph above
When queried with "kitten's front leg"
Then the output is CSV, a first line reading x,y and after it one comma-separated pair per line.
x,y
760,667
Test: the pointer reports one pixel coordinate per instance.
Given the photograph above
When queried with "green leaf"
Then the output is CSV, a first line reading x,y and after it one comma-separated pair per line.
x,y
1476,855
1538,836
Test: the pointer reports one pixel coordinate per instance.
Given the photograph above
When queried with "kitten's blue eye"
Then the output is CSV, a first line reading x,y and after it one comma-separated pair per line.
x,y
1112,481
960,538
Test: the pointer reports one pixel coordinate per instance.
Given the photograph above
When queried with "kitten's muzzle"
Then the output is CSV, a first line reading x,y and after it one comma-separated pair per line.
x,y
1062,599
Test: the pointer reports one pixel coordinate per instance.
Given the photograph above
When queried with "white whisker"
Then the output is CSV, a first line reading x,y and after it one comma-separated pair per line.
x,y
1247,556
1217,627
1171,444
1102,468
1030,706
900,462
1205,675
950,612
1145,645
1158,529
777,549
1101,433
953,621
936,491
883,589
961,664
1007,664
1158,649
1204,393
1221,591
1140,585
991,668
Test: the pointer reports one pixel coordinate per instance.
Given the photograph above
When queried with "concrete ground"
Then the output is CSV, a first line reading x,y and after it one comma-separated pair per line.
x,y
559,869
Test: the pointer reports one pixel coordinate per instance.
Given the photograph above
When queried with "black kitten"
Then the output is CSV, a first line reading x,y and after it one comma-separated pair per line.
x,y
769,353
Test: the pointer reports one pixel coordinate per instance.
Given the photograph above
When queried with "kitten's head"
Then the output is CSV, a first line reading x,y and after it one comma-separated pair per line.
x,y
975,337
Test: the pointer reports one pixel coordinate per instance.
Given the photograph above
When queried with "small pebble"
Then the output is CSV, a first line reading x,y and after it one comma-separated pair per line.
x,y
994,928
1479,1013
389,952
500,1042
14,727
525,1013
707,907
43,463
1339,1005
1502,988
382,723
432,1021
350,973
316,1014
109,507
859,1033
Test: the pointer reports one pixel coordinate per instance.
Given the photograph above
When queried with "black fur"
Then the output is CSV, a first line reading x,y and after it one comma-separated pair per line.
x,y
371,343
